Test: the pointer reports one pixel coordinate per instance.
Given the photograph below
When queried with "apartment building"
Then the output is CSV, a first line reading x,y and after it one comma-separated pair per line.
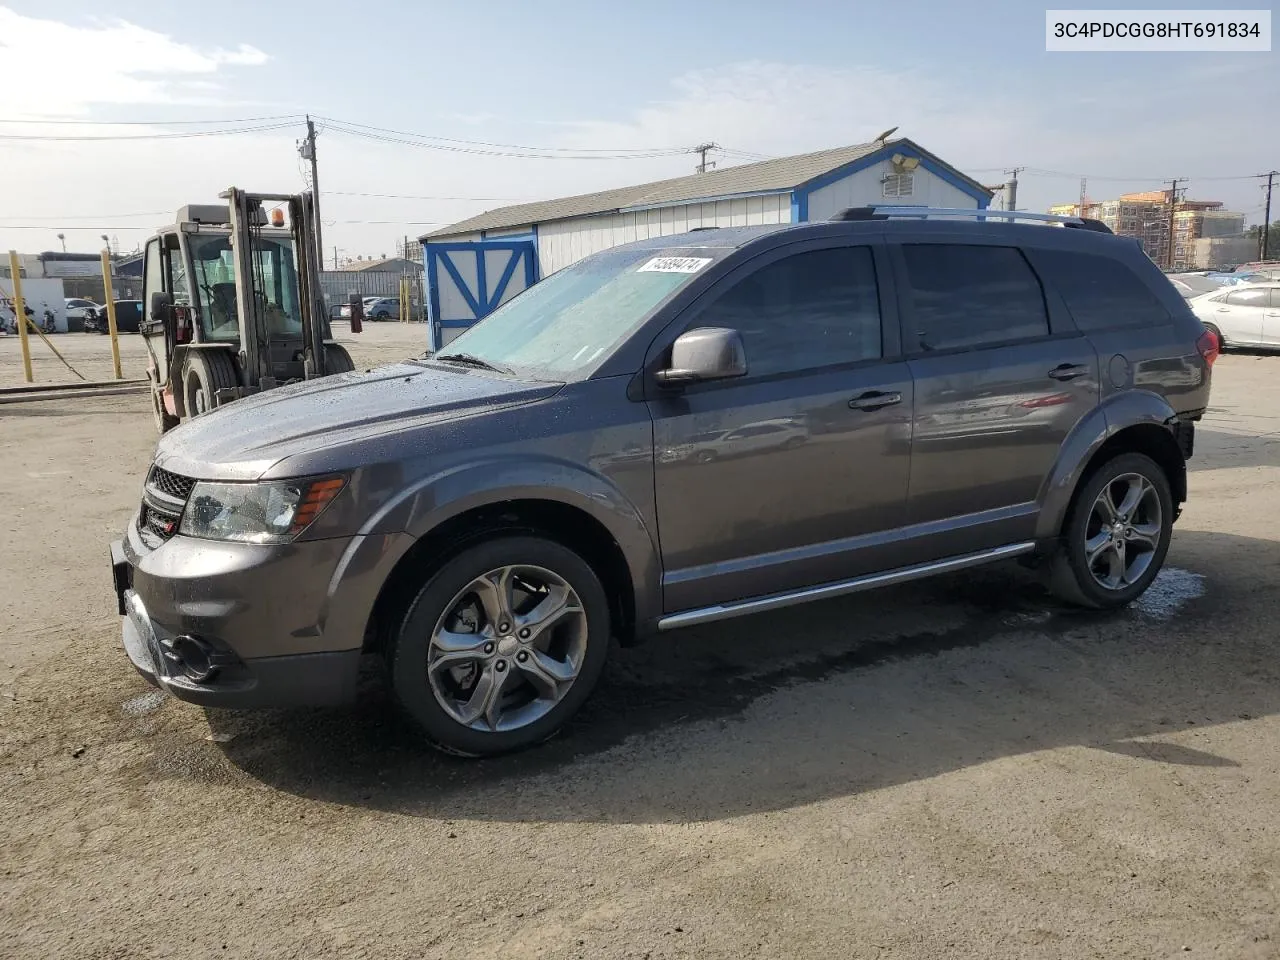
x,y
1145,216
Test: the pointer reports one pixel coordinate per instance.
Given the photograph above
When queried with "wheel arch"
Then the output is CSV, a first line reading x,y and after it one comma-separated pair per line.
x,y
564,523
561,501
1135,422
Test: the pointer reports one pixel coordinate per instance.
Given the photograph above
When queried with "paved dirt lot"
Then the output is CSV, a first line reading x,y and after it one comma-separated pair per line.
x,y
953,769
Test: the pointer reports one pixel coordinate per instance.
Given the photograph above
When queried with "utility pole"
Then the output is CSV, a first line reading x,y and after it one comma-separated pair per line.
x,y
1013,187
335,256
1084,186
1266,217
702,149
1173,209
308,151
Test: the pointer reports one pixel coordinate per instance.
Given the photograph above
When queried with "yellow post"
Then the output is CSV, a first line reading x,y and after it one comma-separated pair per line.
x,y
404,302
109,293
20,313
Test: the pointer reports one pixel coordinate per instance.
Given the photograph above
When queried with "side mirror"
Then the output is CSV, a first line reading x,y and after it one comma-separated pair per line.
x,y
161,306
708,353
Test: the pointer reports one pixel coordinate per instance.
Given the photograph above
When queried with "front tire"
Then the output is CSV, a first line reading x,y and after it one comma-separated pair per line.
x,y
501,646
1116,534
204,373
337,360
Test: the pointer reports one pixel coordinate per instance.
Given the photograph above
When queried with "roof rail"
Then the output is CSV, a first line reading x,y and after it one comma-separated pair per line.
x,y
881,212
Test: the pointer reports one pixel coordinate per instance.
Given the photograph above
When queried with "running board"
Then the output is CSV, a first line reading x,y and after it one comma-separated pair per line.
x,y
826,591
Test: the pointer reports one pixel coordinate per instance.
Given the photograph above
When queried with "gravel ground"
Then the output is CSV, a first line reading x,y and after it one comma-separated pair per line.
x,y
958,768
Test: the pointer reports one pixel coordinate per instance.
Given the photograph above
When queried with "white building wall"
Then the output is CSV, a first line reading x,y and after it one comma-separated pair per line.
x,y
563,242
864,188
508,232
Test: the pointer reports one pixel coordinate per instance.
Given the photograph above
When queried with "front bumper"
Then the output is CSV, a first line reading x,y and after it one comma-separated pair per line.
x,y
284,624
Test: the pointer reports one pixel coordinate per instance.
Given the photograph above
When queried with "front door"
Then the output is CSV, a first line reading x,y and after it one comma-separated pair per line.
x,y
997,393
781,478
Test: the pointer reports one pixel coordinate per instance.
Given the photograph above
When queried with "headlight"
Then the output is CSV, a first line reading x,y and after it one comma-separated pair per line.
x,y
274,512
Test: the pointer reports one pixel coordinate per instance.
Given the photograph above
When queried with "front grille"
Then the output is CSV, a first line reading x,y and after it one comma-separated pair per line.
x,y
170,484
164,497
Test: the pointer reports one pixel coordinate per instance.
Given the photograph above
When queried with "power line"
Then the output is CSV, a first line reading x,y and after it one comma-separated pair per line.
x,y
149,123
407,196
480,151
1076,176
227,131
505,146
92,216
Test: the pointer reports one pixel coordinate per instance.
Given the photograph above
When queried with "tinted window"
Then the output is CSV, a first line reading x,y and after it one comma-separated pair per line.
x,y
1247,298
970,296
808,310
1275,298
1101,293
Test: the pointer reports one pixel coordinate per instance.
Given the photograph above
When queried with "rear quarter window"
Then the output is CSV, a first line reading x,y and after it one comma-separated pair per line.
x,y
1101,293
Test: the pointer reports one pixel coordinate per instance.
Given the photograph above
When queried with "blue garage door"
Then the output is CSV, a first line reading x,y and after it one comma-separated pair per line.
x,y
468,281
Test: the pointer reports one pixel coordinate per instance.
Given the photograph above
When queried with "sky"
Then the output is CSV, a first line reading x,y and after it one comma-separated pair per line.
x,y
579,99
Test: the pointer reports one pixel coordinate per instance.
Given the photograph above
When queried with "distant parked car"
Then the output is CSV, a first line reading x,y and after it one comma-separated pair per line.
x,y
78,308
1260,266
343,310
382,308
128,318
1242,316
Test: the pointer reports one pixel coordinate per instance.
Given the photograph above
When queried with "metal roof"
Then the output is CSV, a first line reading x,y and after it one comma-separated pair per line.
x,y
766,176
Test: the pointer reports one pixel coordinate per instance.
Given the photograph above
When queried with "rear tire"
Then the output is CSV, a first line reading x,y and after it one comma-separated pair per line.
x,y
337,360
1116,534
474,627
204,373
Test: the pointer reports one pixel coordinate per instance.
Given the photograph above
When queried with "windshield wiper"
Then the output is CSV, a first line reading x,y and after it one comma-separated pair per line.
x,y
470,360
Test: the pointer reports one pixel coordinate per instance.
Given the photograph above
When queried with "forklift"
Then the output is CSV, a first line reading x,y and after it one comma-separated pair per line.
x,y
234,304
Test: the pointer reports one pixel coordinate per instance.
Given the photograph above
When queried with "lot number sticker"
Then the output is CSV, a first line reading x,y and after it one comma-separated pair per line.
x,y
675,265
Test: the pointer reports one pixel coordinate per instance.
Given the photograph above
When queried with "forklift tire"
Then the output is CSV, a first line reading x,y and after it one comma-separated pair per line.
x,y
165,421
337,360
204,373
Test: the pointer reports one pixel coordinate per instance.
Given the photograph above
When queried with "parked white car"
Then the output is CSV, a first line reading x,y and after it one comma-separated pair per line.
x,y
78,308
1242,316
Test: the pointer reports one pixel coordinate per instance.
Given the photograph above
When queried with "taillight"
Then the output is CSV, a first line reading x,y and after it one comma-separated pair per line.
x,y
1209,346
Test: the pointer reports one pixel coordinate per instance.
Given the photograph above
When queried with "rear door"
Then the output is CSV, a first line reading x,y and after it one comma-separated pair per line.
x,y
1001,379
1271,320
785,477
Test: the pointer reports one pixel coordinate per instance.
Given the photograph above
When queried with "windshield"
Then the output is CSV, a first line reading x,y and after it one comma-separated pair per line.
x,y
274,282
567,325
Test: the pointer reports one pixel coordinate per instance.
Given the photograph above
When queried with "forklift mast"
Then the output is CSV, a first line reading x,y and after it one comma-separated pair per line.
x,y
246,220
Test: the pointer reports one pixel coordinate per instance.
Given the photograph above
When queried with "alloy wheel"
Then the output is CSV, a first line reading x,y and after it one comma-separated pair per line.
x,y
1123,531
507,649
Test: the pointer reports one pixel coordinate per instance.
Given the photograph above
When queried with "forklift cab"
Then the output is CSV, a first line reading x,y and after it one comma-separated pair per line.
x,y
230,306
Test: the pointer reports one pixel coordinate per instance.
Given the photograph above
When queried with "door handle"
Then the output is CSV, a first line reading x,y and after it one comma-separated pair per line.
x,y
1068,371
875,400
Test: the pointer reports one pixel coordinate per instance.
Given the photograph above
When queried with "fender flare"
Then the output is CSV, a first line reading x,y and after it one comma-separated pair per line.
x,y
1119,412
435,499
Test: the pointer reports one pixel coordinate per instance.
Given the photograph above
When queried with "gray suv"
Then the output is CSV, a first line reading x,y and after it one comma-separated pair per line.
x,y
671,432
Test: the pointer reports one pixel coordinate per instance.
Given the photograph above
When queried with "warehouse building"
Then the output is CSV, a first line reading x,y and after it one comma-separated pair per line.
x,y
474,266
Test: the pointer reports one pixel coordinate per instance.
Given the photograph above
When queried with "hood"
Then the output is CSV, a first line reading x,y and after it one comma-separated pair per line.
x,y
244,439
